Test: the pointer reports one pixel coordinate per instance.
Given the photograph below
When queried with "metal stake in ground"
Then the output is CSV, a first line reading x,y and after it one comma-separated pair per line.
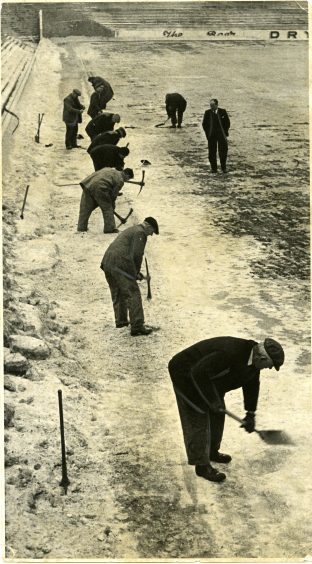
x,y
37,136
148,280
24,202
65,481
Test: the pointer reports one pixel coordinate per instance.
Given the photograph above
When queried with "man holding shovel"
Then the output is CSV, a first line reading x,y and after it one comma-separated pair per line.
x,y
201,375
121,265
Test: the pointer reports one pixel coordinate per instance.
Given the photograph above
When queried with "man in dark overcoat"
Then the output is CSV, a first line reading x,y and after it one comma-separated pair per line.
x,y
101,189
201,375
97,81
110,156
103,122
98,100
72,110
121,265
107,138
216,124
175,108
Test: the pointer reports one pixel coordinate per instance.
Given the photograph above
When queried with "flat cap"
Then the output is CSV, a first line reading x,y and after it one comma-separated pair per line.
x,y
152,221
275,352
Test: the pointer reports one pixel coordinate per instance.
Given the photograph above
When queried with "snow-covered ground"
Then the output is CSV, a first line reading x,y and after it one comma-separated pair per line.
x,y
231,259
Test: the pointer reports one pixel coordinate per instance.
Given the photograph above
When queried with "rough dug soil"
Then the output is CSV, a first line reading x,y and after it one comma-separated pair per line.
x,y
231,258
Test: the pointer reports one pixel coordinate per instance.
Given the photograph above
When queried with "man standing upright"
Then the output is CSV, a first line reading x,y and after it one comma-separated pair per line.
x,y
121,265
175,104
201,375
101,189
216,124
72,111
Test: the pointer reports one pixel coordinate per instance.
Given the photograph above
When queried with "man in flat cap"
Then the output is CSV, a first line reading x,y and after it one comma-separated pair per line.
x,y
121,265
101,189
103,122
201,375
107,138
112,156
99,98
72,111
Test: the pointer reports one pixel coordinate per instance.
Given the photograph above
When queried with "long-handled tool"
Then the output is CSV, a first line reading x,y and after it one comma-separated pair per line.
x,y
123,220
270,437
24,202
65,481
162,123
12,114
37,136
148,280
141,184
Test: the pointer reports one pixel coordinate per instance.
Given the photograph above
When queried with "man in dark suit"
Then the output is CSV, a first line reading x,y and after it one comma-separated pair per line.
x,y
72,111
175,104
216,124
201,375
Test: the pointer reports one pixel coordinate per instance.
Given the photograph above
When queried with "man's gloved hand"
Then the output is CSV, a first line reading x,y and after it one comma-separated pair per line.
x,y
140,276
249,422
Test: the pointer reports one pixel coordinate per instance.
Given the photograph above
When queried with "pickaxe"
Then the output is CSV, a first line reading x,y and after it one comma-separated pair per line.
x,y
141,184
123,220
24,202
65,481
37,137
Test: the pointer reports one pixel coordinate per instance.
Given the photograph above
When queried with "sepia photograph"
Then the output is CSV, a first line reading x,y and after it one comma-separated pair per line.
x,y
156,281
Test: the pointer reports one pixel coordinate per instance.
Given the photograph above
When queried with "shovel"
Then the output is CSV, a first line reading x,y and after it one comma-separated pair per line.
x,y
162,123
271,437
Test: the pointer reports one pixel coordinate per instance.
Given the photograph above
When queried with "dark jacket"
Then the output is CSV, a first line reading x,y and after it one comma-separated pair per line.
x,y
99,124
97,104
107,181
126,251
107,156
175,102
210,368
99,81
211,124
106,138
71,113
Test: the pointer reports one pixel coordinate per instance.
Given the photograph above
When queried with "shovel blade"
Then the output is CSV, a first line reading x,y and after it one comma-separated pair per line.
x,y
37,139
272,437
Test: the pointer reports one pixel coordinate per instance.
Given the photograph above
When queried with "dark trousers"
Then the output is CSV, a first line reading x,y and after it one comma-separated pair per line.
x,y
220,143
202,432
173,115
71,135
126,297
89,203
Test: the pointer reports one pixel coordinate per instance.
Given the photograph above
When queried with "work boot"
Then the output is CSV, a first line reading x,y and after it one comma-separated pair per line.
x,y
217,456
144,330
113,231
179,126
172,126
120,325
209,473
